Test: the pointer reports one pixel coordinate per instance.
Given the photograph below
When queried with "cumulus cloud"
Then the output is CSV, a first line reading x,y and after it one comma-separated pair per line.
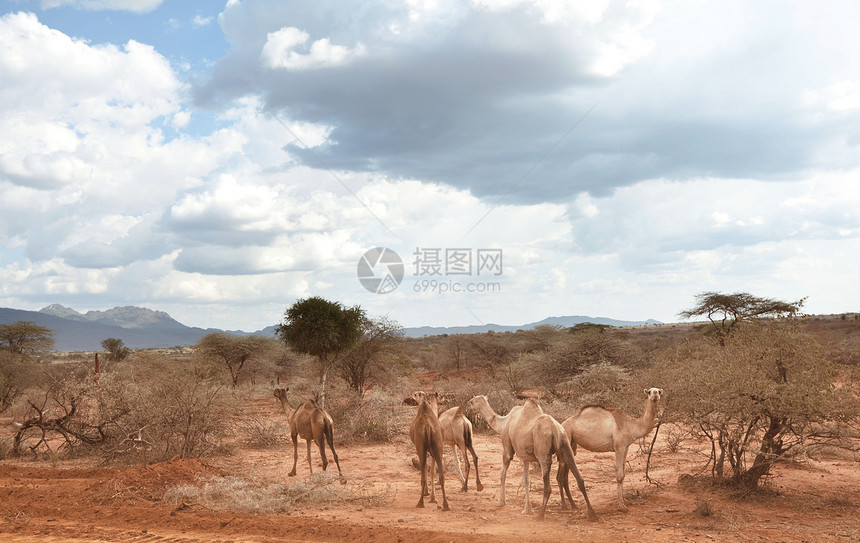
x,y
647,152
280,51
474,95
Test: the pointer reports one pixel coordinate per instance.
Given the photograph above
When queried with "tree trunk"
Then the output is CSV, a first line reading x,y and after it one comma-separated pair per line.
x,y
770,450
323,384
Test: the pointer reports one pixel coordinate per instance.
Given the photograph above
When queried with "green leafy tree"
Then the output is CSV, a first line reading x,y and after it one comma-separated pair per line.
x,y
26,338
116,349
323,329
233,351
727,311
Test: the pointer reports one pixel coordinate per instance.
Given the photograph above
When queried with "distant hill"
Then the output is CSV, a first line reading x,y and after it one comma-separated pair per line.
x,y
142,328
137,327
565,322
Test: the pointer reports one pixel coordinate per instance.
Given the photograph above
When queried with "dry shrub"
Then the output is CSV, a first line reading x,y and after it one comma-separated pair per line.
x,y
375,418
704,507
263,433
257,497
602,384
146,408
172,412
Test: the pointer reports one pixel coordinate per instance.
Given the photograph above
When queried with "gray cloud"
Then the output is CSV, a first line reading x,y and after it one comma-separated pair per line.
x,y
479,100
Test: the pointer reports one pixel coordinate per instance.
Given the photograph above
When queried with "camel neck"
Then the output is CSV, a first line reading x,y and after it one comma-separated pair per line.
x,y
646,421
285,404
497,422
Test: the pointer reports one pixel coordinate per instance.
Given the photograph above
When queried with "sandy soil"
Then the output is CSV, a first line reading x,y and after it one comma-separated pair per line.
x,y
71,502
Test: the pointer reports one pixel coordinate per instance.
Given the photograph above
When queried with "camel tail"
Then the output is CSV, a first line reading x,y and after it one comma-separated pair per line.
x,y
467,437
565,451
328,431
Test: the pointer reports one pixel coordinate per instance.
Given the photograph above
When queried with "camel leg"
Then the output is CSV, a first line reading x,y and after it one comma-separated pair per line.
x,y
463,478
478,484
564,485
527,509
422,464
334,454
545,468
310,465
442,483
580,482
456,456
432,467
295,454
506,461
620,458
321,446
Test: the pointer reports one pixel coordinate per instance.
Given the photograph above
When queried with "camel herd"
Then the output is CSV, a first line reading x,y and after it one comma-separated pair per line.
x,y
526,431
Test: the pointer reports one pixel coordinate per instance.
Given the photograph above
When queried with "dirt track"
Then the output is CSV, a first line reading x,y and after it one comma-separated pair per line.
x,y
816,501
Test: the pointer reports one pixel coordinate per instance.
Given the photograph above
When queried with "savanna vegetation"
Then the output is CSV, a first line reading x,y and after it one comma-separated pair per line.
x,y
757,381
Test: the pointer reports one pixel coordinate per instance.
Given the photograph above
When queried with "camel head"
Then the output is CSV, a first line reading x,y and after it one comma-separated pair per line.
x,y
281,392
475,403
654,396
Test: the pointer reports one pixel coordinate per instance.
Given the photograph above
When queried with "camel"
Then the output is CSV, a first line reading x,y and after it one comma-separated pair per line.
x,y
534,436
497,422
457,432
310,422
426,434
602,429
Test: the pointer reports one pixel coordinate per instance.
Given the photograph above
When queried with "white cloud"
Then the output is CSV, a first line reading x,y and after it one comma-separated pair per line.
x,y
280,51
201,21
710,162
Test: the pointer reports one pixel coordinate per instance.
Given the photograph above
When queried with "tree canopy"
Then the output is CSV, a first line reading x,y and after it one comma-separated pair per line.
x,y
233,351
116,349
766,394
26,338
371,357
727,311
322,329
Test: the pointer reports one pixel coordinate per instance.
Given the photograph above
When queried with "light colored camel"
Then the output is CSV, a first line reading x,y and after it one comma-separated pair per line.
x,y
310,422
497,422
534,436
426,435
457,432
606,429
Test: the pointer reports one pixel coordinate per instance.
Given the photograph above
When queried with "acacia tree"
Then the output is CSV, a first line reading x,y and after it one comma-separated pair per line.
x,y
727,311
371,357
763,395
233,351
116,349
26,338
323,329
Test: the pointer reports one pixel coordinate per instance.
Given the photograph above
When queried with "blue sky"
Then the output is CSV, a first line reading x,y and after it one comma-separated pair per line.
x,y
219,160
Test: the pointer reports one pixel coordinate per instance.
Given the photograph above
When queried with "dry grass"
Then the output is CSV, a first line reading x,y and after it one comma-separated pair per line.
x,y
257,497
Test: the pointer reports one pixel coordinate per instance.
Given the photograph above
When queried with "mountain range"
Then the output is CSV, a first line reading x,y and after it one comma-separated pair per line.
x,y
142,328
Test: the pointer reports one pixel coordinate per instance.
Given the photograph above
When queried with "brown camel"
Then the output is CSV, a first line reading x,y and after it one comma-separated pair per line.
x,y
310,422
535,436
426,434
606,429
457,432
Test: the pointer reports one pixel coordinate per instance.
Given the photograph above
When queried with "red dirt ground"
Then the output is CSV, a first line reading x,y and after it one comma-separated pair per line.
x,y
69,502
